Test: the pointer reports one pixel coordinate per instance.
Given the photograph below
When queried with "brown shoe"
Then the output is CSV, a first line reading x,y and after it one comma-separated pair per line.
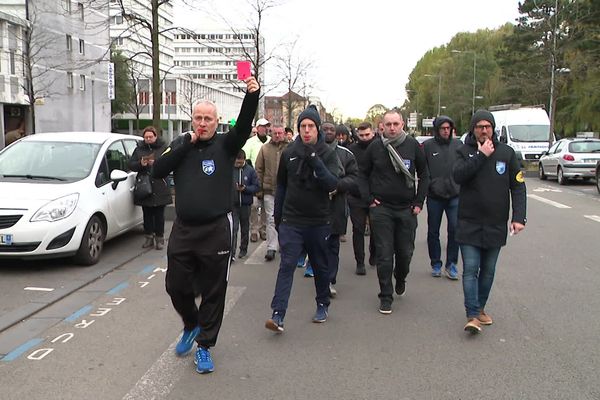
x,y
254,237
149,242
160,243
485,319
342,238
263,235
473,326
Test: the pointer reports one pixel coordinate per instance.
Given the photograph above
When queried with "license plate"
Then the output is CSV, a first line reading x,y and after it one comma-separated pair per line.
x,y
5,240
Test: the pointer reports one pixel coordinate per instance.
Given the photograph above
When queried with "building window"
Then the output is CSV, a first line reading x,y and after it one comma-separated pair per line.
x,y
11,61
144,98
81,46
80,11
119,41
70,80
69,43
81,82
117,19
67,6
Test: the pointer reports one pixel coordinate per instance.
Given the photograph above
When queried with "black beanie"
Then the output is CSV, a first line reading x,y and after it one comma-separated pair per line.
x,y
482,115
311,113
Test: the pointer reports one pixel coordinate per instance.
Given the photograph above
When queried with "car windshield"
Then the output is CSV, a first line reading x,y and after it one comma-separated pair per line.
x,y
591,146
40,160
529,133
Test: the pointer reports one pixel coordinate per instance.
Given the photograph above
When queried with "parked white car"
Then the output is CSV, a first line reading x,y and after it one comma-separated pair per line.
x,y
63,194
569,159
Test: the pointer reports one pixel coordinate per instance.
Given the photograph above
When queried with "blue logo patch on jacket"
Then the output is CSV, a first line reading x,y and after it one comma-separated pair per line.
x,y
208,166
407,164
500,167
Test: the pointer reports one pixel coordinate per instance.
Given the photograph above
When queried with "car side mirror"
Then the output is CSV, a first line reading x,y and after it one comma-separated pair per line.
x,y
117,176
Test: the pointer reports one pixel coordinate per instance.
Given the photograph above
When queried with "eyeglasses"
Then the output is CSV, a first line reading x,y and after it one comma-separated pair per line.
x,y
482,127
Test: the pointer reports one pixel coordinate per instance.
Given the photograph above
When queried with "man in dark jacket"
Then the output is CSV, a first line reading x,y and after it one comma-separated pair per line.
x,y
200,242
397,197
490,180
153,206
306,181
346,184
359,204
440,153
245,186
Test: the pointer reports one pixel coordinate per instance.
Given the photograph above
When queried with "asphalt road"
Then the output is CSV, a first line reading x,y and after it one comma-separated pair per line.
x,y
114,338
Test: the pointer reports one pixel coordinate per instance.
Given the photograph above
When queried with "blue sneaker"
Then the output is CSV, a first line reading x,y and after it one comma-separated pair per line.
x,y
320,314
275,324
436,271
451,272
187,341
308,272
300,262
203,361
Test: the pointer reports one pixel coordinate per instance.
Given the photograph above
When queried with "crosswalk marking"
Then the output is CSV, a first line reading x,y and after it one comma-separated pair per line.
x,y
550,202
593,217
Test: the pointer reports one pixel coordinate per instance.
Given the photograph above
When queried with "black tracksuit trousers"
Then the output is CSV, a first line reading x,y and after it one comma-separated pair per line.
x,y
199,257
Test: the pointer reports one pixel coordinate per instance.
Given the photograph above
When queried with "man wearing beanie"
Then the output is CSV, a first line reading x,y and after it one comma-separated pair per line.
x,y
442,195
359,203
396,198
306,182
490,180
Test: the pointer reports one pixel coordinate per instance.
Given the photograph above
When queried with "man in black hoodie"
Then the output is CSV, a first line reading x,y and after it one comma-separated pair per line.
x,y
200,243
359,204
490,180
396,169
440,153
306,182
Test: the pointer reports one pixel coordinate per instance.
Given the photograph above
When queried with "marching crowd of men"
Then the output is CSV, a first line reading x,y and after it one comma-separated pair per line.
x,y
307,186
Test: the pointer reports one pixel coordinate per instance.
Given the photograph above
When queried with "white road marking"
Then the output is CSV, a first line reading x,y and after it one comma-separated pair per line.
x,y
164,374
593,217
39,289
550,202
547,189
258,255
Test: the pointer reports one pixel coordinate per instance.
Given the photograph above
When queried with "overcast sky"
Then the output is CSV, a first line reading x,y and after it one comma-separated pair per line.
x,y
363,51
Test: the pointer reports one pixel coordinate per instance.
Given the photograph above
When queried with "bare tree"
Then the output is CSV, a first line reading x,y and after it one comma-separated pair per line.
x,y
294,74
150,26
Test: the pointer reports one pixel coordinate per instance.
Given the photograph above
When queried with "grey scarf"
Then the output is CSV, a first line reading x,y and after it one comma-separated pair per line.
x,y
397,161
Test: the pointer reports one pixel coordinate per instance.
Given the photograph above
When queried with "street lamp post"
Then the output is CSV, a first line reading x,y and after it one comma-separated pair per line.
x,y
474,75
93,103
439,76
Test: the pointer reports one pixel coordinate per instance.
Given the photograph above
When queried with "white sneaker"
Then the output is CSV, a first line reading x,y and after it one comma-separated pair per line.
x,y
332,290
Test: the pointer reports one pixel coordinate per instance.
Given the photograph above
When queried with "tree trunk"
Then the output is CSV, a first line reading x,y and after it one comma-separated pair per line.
x,y
156,92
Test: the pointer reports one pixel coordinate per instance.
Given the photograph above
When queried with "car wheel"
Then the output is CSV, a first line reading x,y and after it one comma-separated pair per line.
x,y
560,177
541,173
92,242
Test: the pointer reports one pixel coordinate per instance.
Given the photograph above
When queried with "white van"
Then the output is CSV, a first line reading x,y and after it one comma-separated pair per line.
x,y
525,129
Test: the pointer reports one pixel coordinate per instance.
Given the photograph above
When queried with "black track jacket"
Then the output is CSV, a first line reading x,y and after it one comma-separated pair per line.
x,y
203,171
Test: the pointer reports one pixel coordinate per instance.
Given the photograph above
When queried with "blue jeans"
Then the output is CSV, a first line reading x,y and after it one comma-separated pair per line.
x,y
479,267
292,241
435,211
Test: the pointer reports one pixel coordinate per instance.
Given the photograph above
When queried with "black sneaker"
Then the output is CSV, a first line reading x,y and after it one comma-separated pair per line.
x,y
270,256
242,254
360,269
400,288
372,260
385,307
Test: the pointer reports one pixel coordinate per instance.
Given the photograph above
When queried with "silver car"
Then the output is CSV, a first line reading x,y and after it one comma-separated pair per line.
x,y
569,159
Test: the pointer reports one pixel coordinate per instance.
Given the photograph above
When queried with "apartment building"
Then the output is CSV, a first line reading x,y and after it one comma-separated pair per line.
x,y
54,62
178,91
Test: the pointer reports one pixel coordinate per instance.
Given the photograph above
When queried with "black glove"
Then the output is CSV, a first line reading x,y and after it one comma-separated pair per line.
x,y
310,155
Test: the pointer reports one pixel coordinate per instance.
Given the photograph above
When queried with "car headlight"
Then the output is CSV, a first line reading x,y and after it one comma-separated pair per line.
x,y
57,209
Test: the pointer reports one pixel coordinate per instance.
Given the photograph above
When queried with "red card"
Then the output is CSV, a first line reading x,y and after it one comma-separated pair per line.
x,y
243,70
